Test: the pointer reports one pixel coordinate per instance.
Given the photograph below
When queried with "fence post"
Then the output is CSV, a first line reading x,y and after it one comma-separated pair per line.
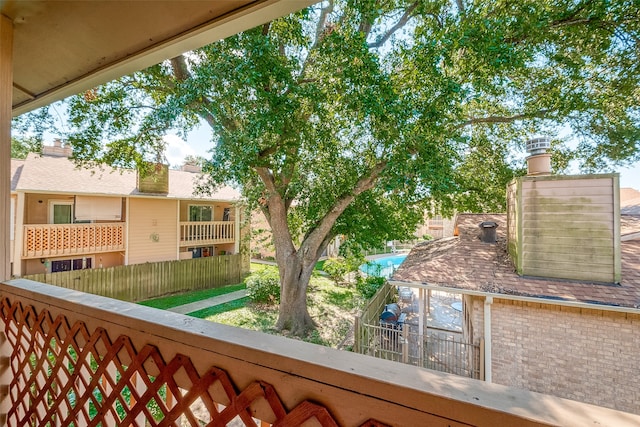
x,y
405,343
482,359
358,335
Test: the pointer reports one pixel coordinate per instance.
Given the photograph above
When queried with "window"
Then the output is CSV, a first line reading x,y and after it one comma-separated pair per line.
x,y
226,214
62,212
70,264
200,213
201,251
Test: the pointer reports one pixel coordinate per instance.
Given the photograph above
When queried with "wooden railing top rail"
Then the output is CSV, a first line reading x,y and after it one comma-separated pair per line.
x,y
353,388
206,222
77,225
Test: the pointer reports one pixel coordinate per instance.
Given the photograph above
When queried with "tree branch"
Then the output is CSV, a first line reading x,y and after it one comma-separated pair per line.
x,y
181,73
504,119
401,23
324,15
267,179
276,212
320,32
180,69
318,234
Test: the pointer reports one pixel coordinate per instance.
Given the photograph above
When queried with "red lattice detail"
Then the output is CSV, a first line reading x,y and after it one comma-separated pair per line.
x,y
67,375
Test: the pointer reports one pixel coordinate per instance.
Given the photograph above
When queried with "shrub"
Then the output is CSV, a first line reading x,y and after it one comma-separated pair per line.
x,y
336,268
368,286
264,286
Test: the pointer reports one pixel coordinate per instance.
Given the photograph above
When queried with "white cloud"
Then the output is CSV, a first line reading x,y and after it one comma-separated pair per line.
x,y
177,150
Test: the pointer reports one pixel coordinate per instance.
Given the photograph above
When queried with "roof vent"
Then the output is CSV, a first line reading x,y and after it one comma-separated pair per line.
x,y
538,145
488,234
539,162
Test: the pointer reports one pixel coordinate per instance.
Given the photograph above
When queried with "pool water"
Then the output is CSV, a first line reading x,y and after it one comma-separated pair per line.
x,y
383,267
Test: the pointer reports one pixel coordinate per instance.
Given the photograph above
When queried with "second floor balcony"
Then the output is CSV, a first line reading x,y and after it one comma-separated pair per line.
x,y
196,233
71,358
49,240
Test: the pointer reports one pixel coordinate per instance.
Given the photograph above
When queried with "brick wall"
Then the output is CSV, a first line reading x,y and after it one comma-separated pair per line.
x,y
592,356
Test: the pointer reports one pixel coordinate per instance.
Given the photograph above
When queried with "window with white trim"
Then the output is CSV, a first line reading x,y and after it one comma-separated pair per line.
x,y
200,213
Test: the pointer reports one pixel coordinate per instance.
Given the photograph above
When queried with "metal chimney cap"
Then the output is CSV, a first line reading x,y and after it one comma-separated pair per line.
x,y
488,224
488,234
538,145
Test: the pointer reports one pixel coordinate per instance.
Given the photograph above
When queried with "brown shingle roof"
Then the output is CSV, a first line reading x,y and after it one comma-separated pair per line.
x,y
61,175
629,224
629,201
465,262
16,170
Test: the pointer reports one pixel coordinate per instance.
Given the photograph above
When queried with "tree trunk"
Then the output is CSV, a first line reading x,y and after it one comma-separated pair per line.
x,y
294,281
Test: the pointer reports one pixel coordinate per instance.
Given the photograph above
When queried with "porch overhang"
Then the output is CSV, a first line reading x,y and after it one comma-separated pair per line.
x,y
65,47
50,50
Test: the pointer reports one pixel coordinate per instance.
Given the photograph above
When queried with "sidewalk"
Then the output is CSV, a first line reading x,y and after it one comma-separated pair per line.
x,y
209,302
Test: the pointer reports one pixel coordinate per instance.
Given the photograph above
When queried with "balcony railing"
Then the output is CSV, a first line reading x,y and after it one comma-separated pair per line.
x,y
194,233
47,240
69,358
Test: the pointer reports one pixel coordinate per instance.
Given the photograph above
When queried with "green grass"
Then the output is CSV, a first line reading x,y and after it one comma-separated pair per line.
x,y
333,307
189,297
222,308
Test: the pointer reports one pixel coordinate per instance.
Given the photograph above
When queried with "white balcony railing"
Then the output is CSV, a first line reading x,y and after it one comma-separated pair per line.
x,y
69,358
206,233
47,240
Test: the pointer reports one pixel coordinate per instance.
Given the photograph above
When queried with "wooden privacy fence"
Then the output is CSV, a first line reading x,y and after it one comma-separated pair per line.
x,y
139,282
370,313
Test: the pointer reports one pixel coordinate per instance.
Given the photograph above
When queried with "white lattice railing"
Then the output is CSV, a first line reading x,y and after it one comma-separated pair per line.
x,y
47,240
206,233
68,358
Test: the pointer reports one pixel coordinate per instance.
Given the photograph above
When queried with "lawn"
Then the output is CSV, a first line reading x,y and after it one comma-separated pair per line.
x,y
333,308
189,297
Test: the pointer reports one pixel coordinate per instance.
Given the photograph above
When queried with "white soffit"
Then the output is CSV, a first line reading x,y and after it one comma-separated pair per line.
x,y
62,48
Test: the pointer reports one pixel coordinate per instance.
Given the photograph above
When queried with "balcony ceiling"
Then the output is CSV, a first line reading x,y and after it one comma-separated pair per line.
x,y
65,47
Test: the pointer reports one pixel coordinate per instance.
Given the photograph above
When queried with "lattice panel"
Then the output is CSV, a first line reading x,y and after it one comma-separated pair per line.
x,y
66,375
51,240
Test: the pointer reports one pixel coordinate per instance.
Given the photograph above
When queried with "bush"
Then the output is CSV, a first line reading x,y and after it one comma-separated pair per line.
x,y
368,286
336,268
264,286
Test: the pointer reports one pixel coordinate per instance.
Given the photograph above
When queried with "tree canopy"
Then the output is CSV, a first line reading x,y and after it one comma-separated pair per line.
x,y
349,117
21,147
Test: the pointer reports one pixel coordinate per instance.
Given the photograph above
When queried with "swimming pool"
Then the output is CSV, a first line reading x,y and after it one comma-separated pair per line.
x,y
383,267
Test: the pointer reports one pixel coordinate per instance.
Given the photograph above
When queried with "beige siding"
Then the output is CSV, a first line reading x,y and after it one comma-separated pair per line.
x,y
153,232
586,355
37,207
565,227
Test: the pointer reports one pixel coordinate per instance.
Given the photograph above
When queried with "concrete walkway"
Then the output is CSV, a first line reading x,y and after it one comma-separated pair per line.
x,y
209,302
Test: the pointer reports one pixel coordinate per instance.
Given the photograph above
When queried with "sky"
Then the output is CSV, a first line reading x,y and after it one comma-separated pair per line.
x,y
199,143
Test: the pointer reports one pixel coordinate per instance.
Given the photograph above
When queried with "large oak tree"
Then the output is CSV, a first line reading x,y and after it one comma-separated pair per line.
x,y
343,118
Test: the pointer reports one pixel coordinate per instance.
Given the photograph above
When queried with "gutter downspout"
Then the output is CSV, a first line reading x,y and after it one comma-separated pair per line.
x,y
487,338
